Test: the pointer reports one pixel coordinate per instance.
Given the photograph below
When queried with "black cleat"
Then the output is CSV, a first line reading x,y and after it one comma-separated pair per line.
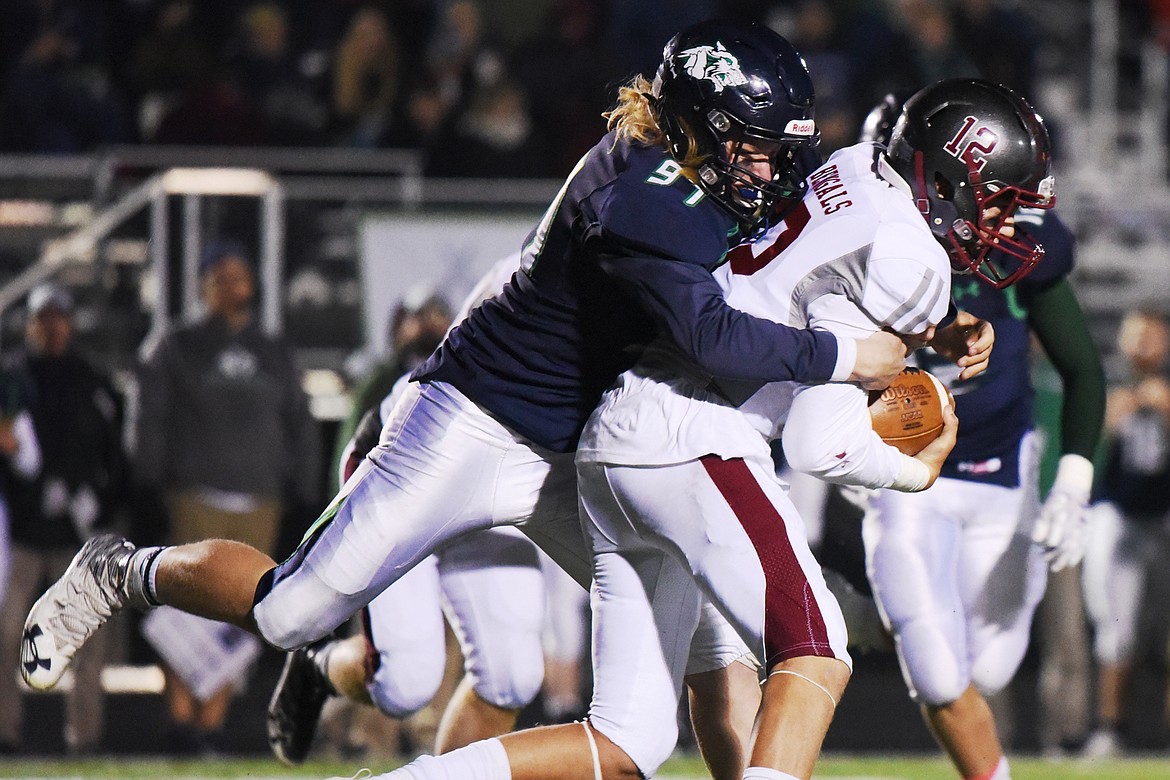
x,y
296,705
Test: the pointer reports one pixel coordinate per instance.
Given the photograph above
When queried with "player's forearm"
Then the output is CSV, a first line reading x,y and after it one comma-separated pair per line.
x,y
687,302
828,435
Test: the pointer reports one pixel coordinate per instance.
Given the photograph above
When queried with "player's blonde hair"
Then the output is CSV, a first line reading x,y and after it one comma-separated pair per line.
x,y
633,118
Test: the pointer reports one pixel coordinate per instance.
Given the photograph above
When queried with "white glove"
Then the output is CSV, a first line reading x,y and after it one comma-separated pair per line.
x,y
1061,527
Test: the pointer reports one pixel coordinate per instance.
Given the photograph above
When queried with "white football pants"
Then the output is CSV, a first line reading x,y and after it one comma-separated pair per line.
x,y
443,468
490,586
663,538
957,579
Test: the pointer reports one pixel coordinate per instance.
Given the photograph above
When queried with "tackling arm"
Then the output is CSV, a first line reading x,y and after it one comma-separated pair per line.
x,y
688,303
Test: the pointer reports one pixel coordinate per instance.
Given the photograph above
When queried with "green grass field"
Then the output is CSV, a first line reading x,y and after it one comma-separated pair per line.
x,y
680,768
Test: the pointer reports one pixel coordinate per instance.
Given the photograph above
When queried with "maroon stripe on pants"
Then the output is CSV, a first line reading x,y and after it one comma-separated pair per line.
x,y
793,625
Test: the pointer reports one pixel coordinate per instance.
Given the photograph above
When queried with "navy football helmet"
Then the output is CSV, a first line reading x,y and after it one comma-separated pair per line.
x,y
879,122
966,146
723,84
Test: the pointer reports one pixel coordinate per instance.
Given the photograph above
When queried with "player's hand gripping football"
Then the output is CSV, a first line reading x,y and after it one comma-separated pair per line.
x,y
880,358
1061,528
934,454
967,342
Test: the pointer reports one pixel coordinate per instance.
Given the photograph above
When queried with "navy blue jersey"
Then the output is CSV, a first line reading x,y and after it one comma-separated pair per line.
x,y
995,408
1137,467
624,251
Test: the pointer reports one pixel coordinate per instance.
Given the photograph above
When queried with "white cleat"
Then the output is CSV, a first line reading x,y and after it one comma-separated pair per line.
x,y
88,593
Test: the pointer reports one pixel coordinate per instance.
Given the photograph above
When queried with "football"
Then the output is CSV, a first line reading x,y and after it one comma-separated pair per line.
x,y
908,413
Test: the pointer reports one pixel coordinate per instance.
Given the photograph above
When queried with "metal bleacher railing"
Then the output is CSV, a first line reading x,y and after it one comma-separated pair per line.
x,y
76,215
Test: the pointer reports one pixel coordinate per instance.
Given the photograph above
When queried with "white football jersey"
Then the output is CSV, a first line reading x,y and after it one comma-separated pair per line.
x,y
853,258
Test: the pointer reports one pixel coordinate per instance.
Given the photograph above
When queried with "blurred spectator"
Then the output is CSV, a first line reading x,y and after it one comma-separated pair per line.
x,y
224,434
166,61
58,95
78,422
494,138
931,42
1129,535
20,461
1002,41
416,330
186,94
813,28
424,118
214,111
638,29
458,58
265,69
566,82
365,79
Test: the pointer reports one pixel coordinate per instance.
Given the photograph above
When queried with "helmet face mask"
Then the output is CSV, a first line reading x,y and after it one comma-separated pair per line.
x,y
730,177
726,96
974,153
972,242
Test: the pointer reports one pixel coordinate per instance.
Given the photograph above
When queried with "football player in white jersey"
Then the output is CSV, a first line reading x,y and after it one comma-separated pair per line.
x,y
954,570
678,490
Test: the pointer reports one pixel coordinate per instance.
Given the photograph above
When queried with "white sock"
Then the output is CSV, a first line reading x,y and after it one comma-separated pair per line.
x,y
484,760
140,575
763,773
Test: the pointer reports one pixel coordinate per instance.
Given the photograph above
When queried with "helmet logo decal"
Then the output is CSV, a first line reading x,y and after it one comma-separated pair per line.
x,y
800,127
972,145
715,64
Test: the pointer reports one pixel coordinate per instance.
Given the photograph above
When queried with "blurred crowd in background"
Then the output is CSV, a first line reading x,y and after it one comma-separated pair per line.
x,y
485,87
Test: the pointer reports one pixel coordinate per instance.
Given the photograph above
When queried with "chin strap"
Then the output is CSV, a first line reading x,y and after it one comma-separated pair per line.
x,y
809,680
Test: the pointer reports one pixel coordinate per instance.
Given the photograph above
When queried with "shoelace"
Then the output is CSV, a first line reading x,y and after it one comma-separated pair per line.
x,y
361,775
76,621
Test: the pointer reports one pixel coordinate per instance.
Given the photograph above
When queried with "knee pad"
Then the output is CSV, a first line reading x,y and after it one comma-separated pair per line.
x,y
936,671
648,745
996,664
510,682
300,610
403,686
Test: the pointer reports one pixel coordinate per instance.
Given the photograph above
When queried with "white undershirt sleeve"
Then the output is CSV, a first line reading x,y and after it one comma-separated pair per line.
x,y
846,359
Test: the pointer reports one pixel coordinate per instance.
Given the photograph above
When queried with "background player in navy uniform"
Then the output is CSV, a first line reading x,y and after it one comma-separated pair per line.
x,y
485,435
955,570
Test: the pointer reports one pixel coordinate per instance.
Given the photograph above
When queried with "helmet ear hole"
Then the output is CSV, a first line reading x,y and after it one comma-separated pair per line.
x,y
719,120
943,186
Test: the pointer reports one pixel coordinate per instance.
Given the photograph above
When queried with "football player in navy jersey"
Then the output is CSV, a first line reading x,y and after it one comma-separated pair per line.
x,y
485,435
957,571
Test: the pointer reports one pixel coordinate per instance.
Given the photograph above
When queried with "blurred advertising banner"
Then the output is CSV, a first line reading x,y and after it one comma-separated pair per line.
x,y
410,257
